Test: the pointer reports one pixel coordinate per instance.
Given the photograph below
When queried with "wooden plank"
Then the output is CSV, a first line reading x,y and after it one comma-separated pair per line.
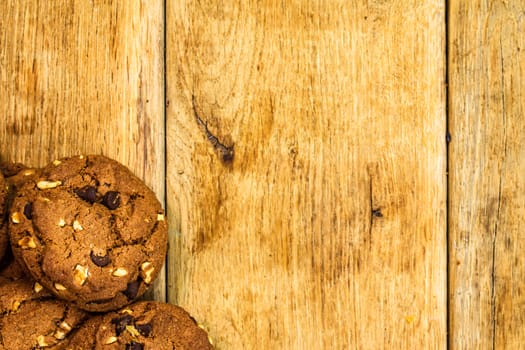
x,y
486,183
80,77
327,230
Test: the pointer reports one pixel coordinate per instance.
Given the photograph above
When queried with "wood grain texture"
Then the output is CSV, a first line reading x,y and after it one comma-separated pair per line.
x,y
486,183
81,77
327,230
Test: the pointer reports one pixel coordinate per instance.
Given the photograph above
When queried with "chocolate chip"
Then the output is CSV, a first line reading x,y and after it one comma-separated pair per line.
x,y
111,200
132,289
134,346
100,261
28,210
87,193
144,329
121,323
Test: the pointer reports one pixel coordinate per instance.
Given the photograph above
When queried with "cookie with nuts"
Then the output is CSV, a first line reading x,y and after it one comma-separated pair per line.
x,y
14,176
9,169
4,196
11,269
30,318
90,231
141,326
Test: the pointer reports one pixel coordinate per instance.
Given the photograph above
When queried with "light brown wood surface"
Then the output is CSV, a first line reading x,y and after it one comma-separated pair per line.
x,y
81,77
486,180
327,230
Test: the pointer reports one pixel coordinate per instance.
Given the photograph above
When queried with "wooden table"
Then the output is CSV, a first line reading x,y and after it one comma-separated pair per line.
x,y
337,174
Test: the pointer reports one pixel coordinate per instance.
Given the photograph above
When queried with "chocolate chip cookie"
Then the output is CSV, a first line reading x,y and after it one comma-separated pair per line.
x,y
16,179
9,169
145,325
90,231
14,176
4,196
30,318
10,268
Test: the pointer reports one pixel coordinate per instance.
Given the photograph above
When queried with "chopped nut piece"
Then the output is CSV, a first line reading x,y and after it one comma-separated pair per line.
x,y
110,340
56,162
126,311
59,286
61,222
81,274
120,272
29,172
59,334
132,330
45,341
37,287
146,271
16,305
15,217
160,217
77,226
65,326
27,243
45,185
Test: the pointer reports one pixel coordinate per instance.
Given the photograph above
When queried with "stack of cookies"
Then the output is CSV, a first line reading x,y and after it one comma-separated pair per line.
x,y
81,241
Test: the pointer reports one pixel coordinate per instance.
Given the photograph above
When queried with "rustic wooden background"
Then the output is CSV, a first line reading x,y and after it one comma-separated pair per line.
x,y
300,148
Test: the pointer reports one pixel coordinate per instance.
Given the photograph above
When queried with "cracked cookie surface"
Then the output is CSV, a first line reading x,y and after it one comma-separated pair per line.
x,y
31,318
89,231
144,325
